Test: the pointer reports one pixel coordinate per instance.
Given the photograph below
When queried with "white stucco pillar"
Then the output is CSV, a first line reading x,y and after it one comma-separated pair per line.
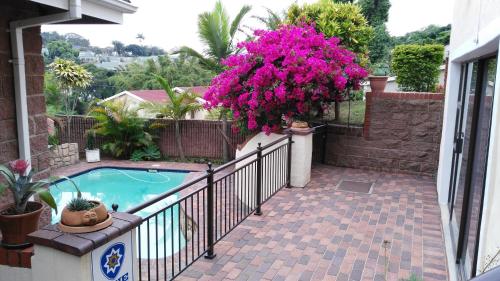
x,y
108,254
302,146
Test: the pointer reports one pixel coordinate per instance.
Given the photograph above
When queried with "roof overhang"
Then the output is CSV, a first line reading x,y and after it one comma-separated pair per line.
x,y
95,11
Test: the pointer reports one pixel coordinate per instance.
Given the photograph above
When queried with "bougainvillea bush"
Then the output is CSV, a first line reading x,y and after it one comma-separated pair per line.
x,y
290,73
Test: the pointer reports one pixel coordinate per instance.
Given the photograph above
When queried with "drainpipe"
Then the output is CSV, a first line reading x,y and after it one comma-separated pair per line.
x,y
16,38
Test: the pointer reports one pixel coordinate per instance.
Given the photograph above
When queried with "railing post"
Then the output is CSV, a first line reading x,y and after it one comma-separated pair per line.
x,y
324,136
210,212
289,160
258,211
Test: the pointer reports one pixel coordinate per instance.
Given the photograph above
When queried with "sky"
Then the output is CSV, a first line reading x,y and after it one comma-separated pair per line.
x,y
173,23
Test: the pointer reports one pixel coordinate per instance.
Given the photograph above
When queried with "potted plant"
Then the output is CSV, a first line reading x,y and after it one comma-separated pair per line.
x,y
92,154
83,215
20,218
378,78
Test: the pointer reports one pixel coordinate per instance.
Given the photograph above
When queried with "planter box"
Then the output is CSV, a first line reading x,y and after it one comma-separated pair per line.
x,y
92,155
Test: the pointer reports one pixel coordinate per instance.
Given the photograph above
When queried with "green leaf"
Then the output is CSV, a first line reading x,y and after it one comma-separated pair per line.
x,y
8,175
47,198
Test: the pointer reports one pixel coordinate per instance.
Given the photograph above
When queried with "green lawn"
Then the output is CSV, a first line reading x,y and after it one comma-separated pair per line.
x,y
357,113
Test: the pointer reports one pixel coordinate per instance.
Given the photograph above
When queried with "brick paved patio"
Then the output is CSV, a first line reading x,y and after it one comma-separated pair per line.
x,y
320,233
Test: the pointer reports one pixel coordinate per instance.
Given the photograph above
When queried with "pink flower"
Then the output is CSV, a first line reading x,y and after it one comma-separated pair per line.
x,y
289,72
19,166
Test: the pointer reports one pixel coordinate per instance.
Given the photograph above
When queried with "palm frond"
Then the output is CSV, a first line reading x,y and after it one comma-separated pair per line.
x,y
237,20
207,63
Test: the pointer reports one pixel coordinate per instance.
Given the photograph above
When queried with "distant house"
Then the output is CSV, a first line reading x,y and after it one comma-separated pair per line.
x,y
87,57
133,99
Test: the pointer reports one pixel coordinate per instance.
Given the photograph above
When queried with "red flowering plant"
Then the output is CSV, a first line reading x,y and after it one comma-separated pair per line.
x,y
291,73
18,180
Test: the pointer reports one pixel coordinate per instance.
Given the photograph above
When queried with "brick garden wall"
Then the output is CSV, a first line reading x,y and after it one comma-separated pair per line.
x,y
402,133
11,10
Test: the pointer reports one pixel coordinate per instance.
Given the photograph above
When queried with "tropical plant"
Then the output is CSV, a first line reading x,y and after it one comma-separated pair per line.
x,y
149,153
417,66
217,33
272,20
69,76
176,108
90,144
18,179
292,72
121,127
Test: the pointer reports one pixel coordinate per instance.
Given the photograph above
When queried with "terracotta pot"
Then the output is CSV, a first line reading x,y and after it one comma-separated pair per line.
x,y
300,124
15,228
89,217
377,83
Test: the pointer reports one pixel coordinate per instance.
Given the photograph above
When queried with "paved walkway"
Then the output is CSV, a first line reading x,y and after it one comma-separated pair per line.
x,y
320,233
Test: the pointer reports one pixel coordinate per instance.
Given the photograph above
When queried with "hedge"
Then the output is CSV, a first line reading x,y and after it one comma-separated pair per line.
x,y
417,66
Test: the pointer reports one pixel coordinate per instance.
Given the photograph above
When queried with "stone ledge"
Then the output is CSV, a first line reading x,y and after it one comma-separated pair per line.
x,y
81,244
16,258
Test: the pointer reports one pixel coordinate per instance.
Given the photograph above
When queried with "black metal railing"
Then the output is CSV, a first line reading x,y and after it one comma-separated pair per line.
x,y
184,224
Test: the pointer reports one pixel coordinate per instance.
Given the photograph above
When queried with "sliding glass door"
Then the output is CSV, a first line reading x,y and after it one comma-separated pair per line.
x,y
472,133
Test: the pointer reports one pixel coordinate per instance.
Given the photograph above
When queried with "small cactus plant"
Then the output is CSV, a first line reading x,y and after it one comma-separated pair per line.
x,y
80,204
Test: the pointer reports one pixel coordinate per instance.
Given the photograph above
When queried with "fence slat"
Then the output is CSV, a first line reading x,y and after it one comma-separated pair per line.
x,y
200,138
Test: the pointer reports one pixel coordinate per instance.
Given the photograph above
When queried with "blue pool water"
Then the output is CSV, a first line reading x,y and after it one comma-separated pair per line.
x,y
129,188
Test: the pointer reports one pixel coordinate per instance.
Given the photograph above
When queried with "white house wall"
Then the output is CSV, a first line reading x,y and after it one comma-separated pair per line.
x,y
475,34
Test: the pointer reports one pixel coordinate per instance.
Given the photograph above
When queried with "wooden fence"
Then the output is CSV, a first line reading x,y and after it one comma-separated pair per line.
x,y
200,138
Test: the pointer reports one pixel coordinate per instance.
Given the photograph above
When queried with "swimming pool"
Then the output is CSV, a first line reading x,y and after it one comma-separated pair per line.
x,y
128,188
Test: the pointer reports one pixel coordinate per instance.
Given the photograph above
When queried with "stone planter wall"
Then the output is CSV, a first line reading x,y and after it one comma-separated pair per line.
x,y
64,155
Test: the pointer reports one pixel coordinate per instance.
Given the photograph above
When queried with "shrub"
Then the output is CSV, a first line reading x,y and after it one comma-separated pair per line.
x,y
344,21
417,66
292,72
122,129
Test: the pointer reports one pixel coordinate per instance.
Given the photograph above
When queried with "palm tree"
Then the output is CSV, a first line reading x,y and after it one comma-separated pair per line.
x,y
176,108
272,20
140,37
69,76
217,33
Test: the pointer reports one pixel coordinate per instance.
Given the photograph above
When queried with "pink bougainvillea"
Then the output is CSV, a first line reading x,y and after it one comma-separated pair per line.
x,y
290,73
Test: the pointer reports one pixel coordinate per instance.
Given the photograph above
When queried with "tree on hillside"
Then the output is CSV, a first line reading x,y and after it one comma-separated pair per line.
x,y
431,34
176,108
118,47
61,49
182,71
217,33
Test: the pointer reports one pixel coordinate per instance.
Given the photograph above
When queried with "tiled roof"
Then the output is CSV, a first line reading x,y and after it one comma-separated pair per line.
x,y
151,95
161,96
197,90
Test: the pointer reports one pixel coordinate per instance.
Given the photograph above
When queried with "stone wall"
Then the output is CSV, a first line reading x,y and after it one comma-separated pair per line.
x,y
402,133
63,155
11,10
